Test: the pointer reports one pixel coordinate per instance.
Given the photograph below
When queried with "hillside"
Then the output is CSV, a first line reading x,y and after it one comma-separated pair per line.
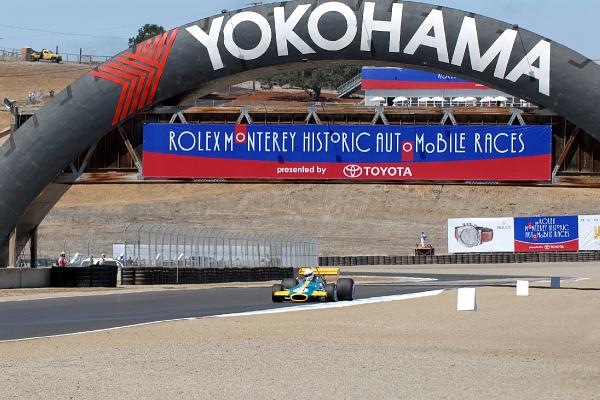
x,y
349,219
18,79
4,119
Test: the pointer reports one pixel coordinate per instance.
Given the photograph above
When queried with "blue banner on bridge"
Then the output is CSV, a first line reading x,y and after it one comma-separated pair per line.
x,y
348,152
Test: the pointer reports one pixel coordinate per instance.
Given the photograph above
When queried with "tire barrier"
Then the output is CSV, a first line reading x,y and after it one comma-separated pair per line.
x,y
96,276
191,276
471,258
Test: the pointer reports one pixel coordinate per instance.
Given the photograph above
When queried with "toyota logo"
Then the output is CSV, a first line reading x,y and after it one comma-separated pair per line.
x,y
353,171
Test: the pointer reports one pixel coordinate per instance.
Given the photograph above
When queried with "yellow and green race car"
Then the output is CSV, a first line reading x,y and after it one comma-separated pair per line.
x,y
311,286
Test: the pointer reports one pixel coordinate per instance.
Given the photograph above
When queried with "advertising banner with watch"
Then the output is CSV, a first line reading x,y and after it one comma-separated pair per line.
x,y
546,234
589,232
348,152
481,235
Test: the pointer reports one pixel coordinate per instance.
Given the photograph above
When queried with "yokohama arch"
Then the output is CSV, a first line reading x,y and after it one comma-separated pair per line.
x,y
198,58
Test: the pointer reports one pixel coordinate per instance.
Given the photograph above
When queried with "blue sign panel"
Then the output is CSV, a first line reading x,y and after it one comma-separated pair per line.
x,y
361,152
546,234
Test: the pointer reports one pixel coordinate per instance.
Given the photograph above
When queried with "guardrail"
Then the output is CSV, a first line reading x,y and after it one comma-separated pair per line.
x,y
188,276
504,258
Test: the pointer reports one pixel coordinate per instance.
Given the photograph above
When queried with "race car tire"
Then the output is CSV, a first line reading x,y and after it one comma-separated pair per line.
x,y
332,295
289,283
275,289
345,289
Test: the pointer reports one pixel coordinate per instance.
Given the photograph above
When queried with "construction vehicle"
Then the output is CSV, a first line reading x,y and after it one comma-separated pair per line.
x,y
46,55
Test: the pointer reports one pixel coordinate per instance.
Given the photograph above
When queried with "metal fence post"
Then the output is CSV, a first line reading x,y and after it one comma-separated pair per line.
x,y
125,241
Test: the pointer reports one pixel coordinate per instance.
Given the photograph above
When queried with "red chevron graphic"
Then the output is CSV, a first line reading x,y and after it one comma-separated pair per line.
x,y
138,73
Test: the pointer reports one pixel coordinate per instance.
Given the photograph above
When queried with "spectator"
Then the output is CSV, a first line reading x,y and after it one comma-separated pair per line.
x,y
62,261
423,239
102,259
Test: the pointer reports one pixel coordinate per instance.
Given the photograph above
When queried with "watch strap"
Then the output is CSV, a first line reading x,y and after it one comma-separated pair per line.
x,y
487,235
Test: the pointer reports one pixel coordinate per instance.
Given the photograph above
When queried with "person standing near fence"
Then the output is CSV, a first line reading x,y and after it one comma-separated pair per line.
x,y
423,239
62,261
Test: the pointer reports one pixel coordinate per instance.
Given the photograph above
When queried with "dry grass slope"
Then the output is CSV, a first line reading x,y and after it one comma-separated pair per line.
x,y
17,79
349,219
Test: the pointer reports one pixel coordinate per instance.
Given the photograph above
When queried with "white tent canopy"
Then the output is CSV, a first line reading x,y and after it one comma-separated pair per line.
x,y
400,99
487,99
438,99
458,100
501,98
424,100
378,99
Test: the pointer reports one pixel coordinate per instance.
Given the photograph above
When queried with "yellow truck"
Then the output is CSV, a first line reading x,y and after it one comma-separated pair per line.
x,y
46,55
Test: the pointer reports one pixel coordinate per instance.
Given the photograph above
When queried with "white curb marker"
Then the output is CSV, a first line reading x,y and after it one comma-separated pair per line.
x,y
522,288
467,300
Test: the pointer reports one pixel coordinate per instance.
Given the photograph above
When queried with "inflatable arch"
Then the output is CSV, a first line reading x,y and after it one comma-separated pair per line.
x,y
234,46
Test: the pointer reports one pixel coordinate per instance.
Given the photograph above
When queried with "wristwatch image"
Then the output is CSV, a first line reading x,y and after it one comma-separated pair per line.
x,y
470,235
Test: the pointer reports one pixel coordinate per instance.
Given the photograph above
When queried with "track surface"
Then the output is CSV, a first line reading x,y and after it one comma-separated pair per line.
x,y
24,319
48,317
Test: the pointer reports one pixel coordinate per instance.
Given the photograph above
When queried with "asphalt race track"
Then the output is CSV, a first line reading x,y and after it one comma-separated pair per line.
x,y
49,317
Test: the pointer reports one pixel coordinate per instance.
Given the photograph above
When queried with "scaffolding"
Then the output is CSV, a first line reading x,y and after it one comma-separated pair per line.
x,y
175,246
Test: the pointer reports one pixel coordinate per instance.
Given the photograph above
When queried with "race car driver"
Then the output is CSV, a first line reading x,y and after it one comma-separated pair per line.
x,y
309,275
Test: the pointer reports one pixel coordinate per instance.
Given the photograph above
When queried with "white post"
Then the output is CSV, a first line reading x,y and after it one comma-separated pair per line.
x,y
523,288
467,300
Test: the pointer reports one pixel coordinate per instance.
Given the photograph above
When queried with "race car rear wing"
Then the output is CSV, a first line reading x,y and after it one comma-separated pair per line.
x,y
322,271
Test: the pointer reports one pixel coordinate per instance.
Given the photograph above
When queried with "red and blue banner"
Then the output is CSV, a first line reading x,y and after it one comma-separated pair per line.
x,y
348,152
546,234
410,79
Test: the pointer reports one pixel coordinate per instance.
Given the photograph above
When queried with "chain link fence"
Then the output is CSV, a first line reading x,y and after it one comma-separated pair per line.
x,y
10,54
173,246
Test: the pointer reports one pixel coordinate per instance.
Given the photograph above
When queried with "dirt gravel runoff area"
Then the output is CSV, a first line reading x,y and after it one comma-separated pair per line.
x,y
546,346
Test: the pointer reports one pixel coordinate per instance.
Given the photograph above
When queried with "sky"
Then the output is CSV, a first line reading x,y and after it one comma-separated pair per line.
x,y
102,28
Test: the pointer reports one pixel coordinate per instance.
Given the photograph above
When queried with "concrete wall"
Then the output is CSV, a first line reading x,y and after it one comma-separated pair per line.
x,y
16,278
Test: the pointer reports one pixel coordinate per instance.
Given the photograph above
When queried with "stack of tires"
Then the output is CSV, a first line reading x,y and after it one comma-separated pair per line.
x,y
85,277
189,276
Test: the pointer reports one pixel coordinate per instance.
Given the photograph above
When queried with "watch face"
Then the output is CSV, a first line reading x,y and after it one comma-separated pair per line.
x,y
469,236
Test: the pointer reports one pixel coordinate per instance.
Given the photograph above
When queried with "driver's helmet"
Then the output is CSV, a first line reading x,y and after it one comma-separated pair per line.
x,y
309,274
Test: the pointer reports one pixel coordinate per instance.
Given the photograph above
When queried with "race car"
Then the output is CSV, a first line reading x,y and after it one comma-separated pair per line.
x,y
311,286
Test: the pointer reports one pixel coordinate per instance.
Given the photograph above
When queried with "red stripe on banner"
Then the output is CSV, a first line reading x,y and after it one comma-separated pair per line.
x,y
163,62
124,83
131,89
150,71
523,247
138,88
382,85
534,168
153,48
138,49
139,85
147,45
155,59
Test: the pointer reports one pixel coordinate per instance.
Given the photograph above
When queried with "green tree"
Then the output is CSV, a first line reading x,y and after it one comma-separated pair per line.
x,y
314,80
146,32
